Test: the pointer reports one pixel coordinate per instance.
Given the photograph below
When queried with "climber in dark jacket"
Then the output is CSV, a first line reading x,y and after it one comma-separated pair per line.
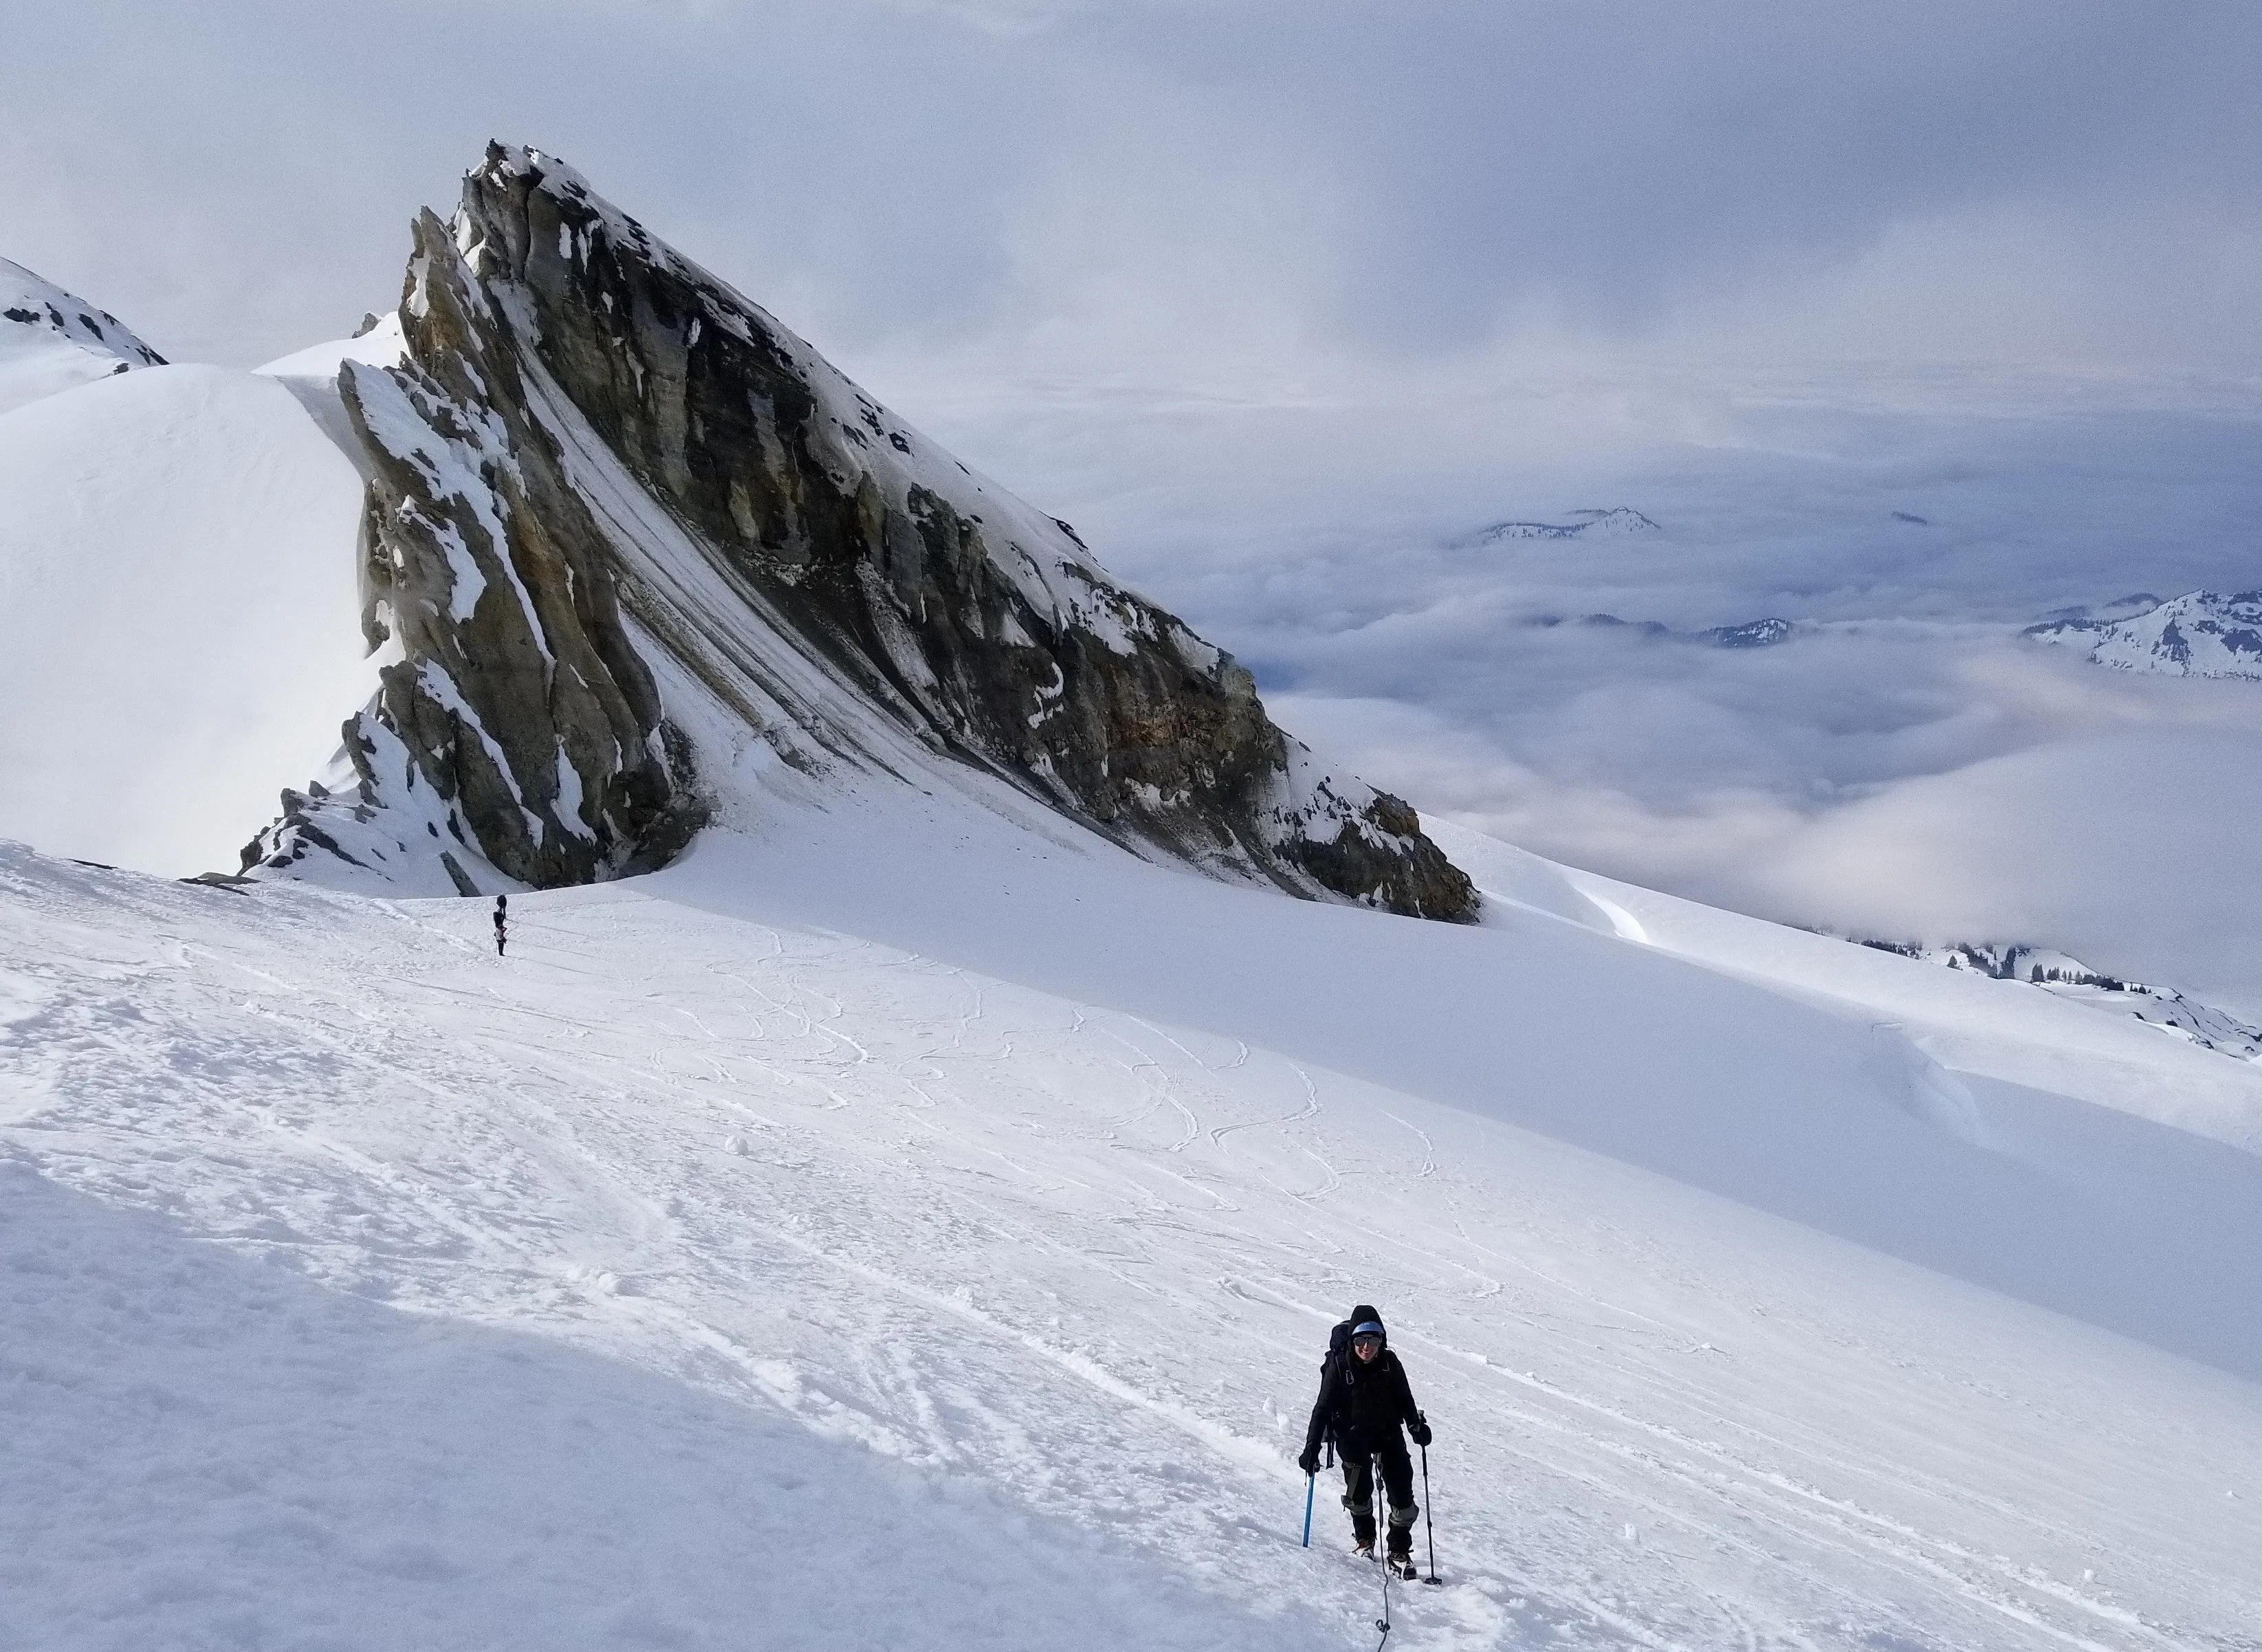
x,y
1363,1399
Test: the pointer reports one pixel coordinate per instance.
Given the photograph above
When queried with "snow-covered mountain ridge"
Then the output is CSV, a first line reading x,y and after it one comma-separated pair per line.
x,y
624,528
1756,633
1616,523
2200,634
51,340
2069,978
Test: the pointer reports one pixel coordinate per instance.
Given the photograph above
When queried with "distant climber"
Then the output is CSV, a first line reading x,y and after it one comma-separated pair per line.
x,y
502,907
1363,1399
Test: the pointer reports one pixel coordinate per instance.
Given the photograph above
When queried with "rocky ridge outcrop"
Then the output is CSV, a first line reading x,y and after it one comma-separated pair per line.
x,y
605,487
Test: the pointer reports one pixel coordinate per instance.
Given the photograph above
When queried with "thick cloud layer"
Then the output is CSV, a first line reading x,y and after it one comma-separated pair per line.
x,y
1873,771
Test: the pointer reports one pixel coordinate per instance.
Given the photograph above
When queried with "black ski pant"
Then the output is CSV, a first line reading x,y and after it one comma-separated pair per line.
x,y
1397,1481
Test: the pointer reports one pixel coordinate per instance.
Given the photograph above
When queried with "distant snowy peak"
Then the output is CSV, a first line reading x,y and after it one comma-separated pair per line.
x,y
2201,634
51,340
53,316
629,536
1755,633
2069,978
1617,523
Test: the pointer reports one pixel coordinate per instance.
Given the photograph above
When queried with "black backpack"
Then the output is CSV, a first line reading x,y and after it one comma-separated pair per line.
x,y
1339,1355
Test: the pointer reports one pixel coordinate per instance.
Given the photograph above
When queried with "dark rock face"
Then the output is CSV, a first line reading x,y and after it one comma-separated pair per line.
x,y
515,709
588,426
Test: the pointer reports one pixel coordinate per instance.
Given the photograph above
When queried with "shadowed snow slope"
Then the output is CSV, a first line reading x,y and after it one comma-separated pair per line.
x,y
916,1177
373,1479
177,614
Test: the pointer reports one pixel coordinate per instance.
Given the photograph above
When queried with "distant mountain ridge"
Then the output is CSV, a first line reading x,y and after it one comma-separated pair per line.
x,y
626,534
2069,978
1616,522
2200,634
1755,633
51,340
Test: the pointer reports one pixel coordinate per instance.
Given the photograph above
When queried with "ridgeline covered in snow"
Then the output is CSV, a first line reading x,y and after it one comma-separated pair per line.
x,y
2200,634
51,340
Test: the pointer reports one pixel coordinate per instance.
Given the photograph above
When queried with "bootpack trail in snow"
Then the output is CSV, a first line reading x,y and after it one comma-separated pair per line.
x,y
776,1234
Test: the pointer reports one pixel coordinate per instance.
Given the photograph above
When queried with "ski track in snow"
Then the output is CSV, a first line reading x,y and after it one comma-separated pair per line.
x,y
1088,1261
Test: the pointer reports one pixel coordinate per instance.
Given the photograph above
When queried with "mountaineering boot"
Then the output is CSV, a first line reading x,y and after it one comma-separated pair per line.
x,y
1402,1539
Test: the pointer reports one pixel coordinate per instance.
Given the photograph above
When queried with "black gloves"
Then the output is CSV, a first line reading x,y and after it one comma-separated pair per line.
x,y
1309,1462
1421,1430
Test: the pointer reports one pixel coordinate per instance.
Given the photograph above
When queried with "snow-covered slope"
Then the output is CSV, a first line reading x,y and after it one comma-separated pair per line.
x,y
1960,1025
2200,634
312,374
51,340
913,1216
178,613
910,1220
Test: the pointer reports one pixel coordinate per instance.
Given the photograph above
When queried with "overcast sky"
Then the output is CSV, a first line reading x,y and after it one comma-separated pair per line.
x,y
1281,302
1140,187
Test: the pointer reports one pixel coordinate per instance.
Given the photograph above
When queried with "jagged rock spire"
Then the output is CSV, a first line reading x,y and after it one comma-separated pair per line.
x,y
608,486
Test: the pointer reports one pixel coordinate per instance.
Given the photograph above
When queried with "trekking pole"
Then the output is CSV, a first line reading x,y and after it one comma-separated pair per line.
x,y
1311,1481
1429,1522
1381,1503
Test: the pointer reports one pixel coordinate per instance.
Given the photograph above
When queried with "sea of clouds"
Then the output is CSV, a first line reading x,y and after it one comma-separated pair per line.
x,y
1906,764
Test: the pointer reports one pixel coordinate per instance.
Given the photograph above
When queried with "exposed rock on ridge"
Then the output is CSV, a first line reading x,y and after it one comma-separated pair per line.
x,y
51,340
600,473
2200,634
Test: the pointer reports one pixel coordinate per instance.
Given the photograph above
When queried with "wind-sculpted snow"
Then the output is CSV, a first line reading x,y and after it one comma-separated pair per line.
x,y
599,466
907,1228
350,1474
